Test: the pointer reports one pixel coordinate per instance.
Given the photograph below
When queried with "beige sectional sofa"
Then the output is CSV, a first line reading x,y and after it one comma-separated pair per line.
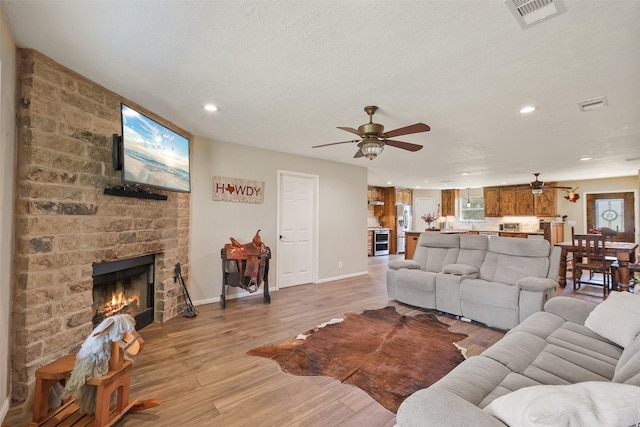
x,y
499,281
574,364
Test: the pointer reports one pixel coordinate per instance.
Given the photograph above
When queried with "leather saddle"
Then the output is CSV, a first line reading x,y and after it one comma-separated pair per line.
x,y
254,255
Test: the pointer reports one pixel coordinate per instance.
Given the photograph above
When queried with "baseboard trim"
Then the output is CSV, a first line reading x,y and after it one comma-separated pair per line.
x,y
5,408
346,276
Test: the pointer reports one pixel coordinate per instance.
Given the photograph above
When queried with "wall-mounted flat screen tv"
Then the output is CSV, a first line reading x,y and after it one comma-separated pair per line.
x,y
152,154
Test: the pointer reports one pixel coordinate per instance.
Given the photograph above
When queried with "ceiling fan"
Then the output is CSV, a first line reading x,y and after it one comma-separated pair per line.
x,y
538,186
374,138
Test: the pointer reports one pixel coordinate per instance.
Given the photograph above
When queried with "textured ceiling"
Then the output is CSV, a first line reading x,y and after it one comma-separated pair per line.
x,y
286,73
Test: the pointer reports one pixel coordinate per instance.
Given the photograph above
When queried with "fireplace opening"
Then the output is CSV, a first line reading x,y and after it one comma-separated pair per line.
x,y
124,287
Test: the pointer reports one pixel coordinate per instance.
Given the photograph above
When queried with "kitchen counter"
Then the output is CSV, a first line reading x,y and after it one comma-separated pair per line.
x,y
412,236
456,231
531,233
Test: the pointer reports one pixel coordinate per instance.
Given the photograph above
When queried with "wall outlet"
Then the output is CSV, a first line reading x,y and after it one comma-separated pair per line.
x,y
571,223
339,264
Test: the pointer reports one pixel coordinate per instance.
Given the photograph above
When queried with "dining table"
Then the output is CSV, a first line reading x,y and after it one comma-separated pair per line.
x,y
623,251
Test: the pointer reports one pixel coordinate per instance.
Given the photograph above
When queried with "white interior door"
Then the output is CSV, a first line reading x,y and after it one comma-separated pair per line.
x,y
296,228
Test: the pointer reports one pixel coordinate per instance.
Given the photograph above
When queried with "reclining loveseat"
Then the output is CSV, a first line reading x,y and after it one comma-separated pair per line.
x,y
498,281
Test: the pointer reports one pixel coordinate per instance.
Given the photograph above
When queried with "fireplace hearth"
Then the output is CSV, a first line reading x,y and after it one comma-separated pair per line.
x,y
124,287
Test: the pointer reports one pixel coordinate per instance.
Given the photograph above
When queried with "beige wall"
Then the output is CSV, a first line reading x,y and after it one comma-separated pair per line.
x,y
342,215
577,211
7,175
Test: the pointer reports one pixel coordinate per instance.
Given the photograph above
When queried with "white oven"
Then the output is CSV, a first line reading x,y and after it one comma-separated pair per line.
x,y
381,241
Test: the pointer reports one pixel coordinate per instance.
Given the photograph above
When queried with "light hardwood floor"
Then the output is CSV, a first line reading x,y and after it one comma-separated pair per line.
x,y
198,366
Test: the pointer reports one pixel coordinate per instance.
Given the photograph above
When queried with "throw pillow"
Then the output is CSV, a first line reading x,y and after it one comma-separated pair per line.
x,y
591,403
617,318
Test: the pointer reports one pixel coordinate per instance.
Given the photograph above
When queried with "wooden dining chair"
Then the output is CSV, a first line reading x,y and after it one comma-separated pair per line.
x,y
589,256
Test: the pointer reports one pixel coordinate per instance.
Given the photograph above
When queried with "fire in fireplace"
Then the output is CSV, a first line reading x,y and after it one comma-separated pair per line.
x,y
124,286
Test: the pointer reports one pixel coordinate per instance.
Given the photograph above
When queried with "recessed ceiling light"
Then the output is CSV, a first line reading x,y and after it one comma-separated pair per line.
x,y
389,182
585,158
210,107
417,187
426,181
527,109
465,173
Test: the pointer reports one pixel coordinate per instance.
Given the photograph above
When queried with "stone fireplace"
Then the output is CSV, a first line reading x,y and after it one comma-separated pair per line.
x,y
124,286
66,226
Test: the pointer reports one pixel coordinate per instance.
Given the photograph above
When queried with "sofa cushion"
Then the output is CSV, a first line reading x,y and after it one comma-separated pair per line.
x,y
538,248
494,294
417,279
473,249
436,250
473,379
582,404
617,318
509,269
517,350
628,367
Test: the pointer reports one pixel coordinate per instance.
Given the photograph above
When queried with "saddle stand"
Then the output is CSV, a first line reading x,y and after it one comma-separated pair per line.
x,y
245,266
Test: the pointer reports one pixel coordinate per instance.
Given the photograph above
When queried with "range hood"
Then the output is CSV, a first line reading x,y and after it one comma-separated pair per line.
x,y
376,203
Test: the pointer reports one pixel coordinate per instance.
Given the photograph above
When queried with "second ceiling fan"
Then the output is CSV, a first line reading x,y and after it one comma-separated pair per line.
x,y
374,138
538,186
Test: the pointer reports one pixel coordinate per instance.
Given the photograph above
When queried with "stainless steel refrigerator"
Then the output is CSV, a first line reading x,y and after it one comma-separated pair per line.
x,y
403,223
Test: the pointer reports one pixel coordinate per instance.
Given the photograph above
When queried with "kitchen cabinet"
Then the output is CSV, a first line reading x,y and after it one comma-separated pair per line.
x,y
370,243
491,201
545,204
507,201
450,202
375,194
553,232
404,196
518,200
524,201
512,234
411,243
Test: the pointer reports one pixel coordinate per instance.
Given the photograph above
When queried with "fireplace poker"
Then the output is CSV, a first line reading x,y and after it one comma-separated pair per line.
x,y
189,309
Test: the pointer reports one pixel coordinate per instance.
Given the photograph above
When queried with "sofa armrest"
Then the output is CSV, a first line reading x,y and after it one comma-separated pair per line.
x,y
460,269
571,309
431,407
536,283
397,264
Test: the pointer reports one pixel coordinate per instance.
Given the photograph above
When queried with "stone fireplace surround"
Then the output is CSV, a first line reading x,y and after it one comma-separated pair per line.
x,y
64,222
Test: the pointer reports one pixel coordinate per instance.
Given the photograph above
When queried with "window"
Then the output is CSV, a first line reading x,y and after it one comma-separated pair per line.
x,y
610,213
475,211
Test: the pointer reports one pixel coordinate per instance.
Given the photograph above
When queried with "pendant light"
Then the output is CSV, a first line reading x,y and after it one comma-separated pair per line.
x,y
468,199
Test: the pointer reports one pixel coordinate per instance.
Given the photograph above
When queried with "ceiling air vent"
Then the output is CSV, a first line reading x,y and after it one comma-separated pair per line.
x,y
592,104
531,12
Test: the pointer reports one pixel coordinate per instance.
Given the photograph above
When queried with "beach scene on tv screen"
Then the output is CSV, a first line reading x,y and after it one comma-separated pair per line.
x,y
153,154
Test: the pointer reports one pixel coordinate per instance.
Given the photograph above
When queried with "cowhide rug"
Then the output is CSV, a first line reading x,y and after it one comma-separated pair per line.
x,y
386,354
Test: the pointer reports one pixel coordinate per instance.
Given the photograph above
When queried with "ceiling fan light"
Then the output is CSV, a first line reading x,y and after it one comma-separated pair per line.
x,y
537,191
371,149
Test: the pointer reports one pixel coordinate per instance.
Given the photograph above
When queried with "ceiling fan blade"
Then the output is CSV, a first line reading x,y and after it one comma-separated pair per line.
x,y
417,128
403,145
352,130
358,154
555,186
332,143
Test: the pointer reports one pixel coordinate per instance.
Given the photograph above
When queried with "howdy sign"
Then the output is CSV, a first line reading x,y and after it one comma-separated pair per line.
x,y
237,190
